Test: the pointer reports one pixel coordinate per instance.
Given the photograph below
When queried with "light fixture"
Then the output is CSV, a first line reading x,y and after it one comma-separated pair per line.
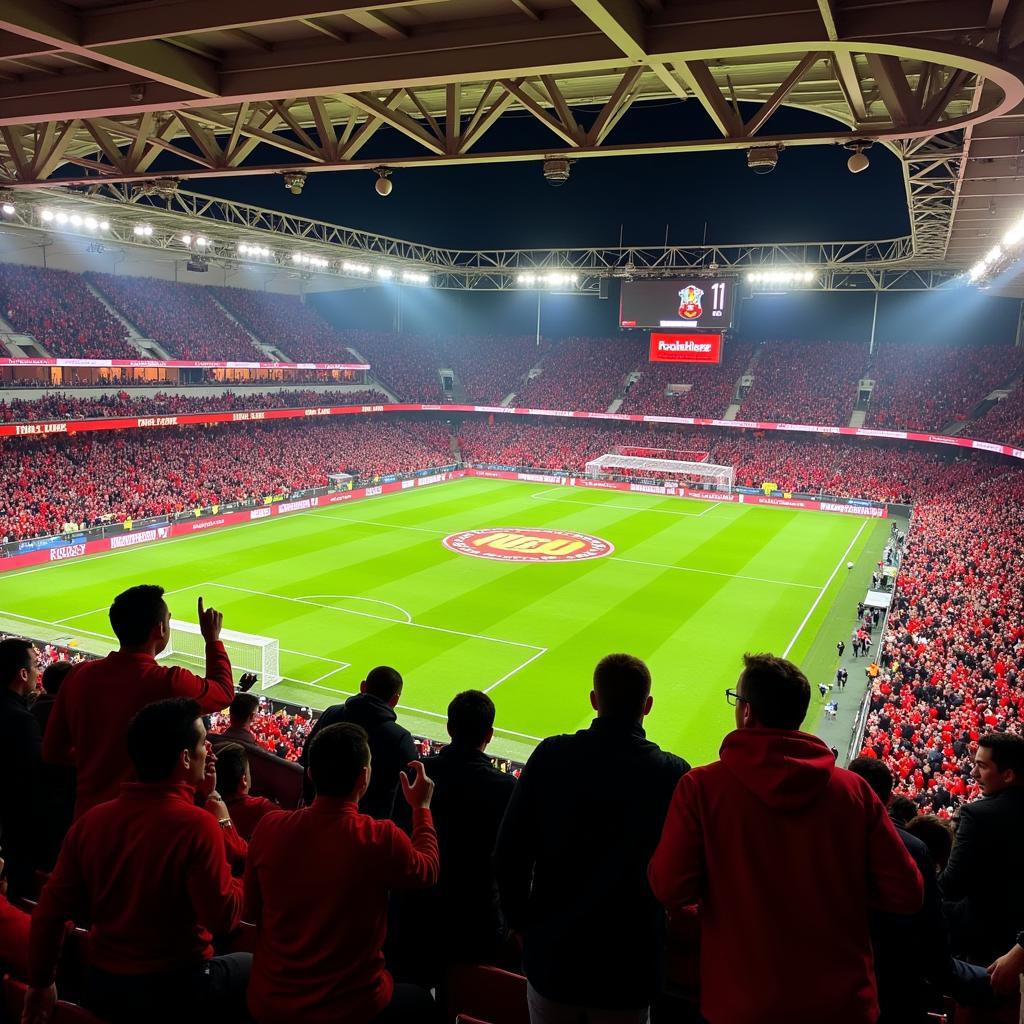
x,y
295,182
92,223
202,242
75,220
261,251
763,159
143,230
61,217
556,171
385,273
526,279
857,161
781,277
104,225
356,268
47,215
8,209
187,239
415,277
383,185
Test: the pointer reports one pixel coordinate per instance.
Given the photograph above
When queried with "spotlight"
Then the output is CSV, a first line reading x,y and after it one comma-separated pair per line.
x,y
355,268
383,185
186,239
763,159
75,220
47,215
414,277
202,242
858,162
385,273
295,182
92,223
8,209
556,172
104,225
61,218
526,279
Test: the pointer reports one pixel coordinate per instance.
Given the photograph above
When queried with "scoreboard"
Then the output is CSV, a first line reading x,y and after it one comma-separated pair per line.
x,y
692,302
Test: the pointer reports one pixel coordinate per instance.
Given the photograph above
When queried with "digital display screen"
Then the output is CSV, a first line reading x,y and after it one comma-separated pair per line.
x,y
705,347
686,302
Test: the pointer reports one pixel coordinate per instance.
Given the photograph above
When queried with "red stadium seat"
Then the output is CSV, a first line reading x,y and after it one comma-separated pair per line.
x,y
66,1013
487,994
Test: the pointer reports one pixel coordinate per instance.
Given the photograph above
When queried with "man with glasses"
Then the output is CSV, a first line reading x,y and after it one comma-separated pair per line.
x,y
786,852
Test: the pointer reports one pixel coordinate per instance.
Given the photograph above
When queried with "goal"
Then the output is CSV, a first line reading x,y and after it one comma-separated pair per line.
x,y
692,472
247,651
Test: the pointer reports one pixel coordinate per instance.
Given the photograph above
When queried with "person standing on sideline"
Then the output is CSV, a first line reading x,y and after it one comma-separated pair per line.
x,y
840,648
787,852
572,853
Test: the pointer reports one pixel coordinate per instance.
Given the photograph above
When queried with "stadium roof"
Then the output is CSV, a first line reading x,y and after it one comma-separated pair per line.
x,y
118,92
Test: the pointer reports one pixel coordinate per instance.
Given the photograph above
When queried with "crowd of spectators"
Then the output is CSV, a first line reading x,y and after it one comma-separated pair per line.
x,y
583,373
952,657
1004,421
712,387
806,382
58,310
925,386
85,479
60,406
182,319
288,323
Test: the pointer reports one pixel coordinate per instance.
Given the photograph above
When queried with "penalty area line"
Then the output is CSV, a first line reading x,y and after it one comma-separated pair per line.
x,y
825,586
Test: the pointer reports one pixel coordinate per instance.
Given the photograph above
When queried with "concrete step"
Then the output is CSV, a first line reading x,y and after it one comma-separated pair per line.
x,y
858,417
732,412
271,353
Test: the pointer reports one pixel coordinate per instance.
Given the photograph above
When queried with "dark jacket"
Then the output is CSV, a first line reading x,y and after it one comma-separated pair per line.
x,y
56,792
391,749
571,865
983,884
20,767
910,950
469,802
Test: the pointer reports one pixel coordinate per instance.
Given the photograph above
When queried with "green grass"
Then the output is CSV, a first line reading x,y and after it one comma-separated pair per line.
x,y
689,588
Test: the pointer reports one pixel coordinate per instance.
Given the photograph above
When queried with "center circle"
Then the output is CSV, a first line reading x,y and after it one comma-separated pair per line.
x,y
528,544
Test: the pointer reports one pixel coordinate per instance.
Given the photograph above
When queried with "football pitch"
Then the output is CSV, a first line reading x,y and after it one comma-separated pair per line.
x,y
686,585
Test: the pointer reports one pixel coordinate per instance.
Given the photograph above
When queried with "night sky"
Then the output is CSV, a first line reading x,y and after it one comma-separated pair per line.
x,y
810,196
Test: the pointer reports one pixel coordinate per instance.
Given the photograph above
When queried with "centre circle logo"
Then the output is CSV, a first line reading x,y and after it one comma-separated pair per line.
x,y
527,544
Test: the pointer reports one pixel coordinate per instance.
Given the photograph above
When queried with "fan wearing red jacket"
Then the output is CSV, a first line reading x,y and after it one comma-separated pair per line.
x,y
148,872
316,886
98,699
786,852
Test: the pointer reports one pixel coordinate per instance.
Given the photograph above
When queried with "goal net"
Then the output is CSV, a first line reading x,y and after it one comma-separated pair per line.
x,y
247,651
691,472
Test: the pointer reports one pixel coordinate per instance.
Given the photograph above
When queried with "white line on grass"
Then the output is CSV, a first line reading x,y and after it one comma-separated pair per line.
x,y
353,597
508,675
821,593
713,572
370,522
542,496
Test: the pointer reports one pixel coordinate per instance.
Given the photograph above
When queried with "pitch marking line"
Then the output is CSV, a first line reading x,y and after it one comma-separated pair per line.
x,y
825,586
423,711
354,597
713,572
537,649
543,496
611,558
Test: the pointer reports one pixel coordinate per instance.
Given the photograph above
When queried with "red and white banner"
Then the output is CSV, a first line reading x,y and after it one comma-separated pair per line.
x,y
686,348
177,364
139,422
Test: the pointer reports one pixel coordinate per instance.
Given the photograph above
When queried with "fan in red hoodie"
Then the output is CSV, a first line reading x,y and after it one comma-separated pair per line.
x,y
786,853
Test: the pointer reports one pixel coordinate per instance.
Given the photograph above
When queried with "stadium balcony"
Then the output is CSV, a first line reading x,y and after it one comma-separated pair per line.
x,y
57,309
182,319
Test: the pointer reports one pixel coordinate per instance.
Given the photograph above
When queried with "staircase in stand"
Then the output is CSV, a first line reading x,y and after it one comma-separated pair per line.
x,y
272,353
148,347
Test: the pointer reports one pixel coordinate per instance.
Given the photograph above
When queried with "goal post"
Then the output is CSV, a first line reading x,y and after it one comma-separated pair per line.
x,y
248,652
705,475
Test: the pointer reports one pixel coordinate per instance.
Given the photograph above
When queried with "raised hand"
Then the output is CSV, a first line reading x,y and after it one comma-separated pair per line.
x,y
417,786
210,622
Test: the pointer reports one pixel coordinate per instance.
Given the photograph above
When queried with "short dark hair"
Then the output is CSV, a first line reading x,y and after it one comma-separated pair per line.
x,y
383,682
54,675
337,755
16,654
776,690
1007,751
903,809
622,683
470,717
159,733
935,833
875,774
135,612
232,762
243,707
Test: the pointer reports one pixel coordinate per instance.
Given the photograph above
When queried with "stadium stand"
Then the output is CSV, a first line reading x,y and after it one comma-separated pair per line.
x,y
81,478
582,373
926,386
287,323
489,369
712,388
806,382
59,406
1003,422
59,311
182,318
